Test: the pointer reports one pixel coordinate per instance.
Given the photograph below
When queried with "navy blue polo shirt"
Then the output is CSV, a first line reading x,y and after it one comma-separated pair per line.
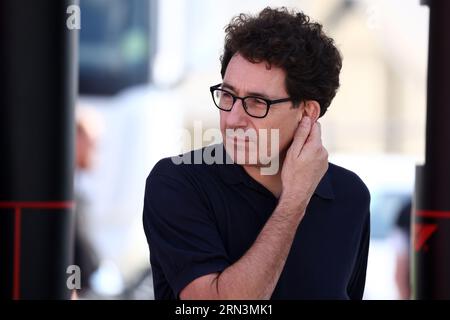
x,y
201,218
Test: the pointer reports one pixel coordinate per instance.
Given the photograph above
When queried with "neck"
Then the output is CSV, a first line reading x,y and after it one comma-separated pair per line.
x,y
270,182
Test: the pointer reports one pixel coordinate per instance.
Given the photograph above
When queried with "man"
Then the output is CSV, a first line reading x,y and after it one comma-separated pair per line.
x,y
227,231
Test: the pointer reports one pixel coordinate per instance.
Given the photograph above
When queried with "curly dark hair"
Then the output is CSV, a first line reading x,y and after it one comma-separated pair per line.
x,y
291,41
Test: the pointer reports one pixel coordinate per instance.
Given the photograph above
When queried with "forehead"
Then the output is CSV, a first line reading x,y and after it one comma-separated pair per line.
x,y
246,76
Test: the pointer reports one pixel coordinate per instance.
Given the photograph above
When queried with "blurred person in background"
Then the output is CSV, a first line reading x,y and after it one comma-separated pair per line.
x,y
219,231
86,256
402,243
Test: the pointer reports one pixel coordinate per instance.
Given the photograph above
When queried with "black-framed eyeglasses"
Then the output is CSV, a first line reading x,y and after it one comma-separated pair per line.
x,y
256,107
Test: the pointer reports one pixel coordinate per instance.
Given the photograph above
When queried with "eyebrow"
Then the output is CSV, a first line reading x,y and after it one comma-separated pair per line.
x,y
257,94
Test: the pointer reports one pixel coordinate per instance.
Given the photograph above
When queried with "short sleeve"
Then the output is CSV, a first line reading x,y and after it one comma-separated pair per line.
x,y
358,279
182,235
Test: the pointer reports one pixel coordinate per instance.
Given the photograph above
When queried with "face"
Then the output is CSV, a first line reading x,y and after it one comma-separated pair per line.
x,y
84,149
243,78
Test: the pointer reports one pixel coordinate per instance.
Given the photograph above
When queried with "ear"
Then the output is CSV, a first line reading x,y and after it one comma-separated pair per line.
x,y
311,109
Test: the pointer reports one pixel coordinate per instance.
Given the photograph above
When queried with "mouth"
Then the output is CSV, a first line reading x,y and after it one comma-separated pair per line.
x,y
239,138
239,142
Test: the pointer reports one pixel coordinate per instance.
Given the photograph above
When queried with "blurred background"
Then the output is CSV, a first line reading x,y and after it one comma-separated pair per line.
x,y
145,67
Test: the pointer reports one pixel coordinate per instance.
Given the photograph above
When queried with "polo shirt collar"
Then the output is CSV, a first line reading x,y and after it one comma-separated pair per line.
x,y
232,173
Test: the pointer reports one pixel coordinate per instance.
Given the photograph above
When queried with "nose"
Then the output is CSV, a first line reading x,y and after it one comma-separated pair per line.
x,y
237,117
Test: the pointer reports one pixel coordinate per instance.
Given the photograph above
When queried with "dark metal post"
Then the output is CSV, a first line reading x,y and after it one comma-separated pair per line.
x,y
38,69
431,223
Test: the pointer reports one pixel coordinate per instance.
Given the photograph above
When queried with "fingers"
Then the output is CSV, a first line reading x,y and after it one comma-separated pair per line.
x,y
316,133
301,135
314,146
